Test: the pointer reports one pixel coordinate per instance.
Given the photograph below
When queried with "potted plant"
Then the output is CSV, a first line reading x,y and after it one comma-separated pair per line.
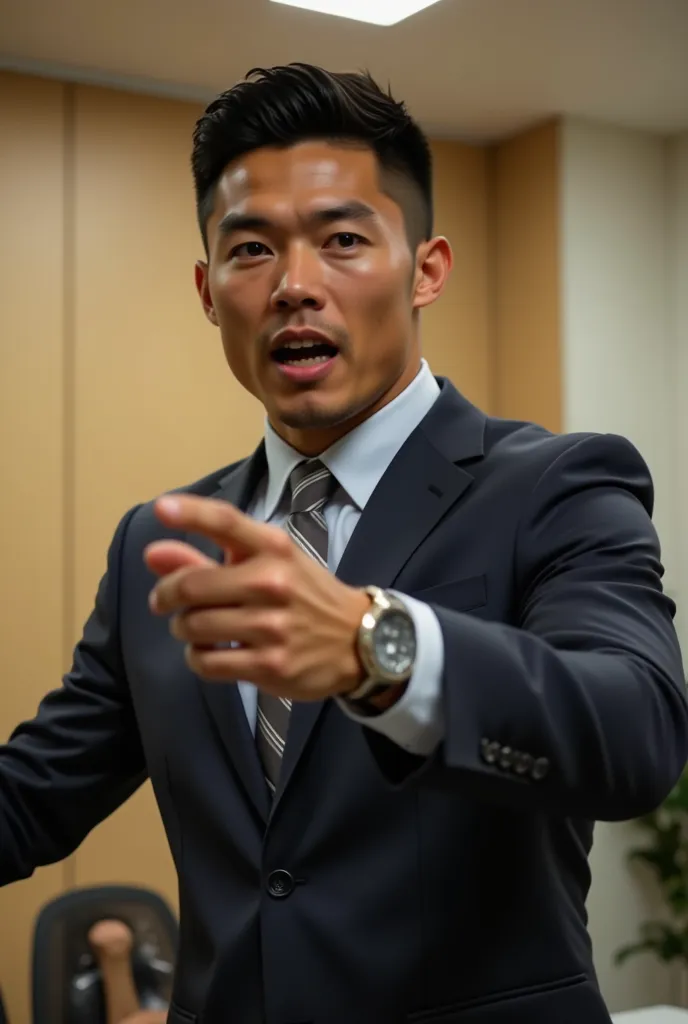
x,y
665,852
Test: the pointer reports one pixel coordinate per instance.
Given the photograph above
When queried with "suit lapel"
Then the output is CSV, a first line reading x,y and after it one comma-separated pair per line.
x,y
302,722
420,486
223,699
417,490
423,482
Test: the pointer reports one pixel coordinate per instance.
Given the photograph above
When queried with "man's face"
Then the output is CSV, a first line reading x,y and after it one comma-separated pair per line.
x,y
313,285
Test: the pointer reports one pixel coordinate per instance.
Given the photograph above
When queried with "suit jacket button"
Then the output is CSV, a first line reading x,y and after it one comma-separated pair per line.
x,y
522,763
506,757
540,769
490,751
280,884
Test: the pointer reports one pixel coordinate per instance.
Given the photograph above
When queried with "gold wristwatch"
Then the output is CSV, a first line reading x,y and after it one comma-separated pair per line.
x,y
386,643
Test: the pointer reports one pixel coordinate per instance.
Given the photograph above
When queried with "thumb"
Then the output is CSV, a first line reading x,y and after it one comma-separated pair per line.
x,y
165,556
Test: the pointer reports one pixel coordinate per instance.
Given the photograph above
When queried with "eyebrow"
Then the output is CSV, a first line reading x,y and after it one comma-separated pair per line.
x,y
352,210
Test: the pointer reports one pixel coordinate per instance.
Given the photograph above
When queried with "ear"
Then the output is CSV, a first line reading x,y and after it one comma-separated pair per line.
x,y
434,261
203,289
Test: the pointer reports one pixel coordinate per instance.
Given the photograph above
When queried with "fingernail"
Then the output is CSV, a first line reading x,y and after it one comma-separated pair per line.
x,y
170,506
153,601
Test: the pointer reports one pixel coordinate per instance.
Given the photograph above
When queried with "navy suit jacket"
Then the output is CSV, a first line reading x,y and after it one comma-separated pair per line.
x,y
382,888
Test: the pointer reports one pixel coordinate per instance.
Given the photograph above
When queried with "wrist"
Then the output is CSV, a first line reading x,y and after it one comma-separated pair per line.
x,y
384,700
355,671
386,647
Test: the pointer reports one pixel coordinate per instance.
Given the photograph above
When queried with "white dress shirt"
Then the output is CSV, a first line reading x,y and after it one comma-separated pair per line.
x,y
358,462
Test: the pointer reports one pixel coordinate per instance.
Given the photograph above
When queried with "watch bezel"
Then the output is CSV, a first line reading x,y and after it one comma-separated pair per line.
x,y
382,604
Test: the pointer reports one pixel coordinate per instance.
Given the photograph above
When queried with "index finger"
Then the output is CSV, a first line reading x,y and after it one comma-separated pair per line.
x,y
221,522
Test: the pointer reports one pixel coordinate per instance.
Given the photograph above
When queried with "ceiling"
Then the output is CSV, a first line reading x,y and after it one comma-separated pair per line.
x,y
466,68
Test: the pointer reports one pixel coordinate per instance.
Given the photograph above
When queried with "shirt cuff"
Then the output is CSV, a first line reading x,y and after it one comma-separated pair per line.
x,y
415,723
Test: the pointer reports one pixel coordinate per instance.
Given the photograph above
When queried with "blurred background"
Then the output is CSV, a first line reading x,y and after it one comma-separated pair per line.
x,y
560,137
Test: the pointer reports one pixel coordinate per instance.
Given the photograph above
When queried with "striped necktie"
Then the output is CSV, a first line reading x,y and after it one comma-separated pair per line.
x,y
311,485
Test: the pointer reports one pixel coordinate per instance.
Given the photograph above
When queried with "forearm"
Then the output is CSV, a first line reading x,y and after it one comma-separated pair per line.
x,y
65,771
81,756
43,821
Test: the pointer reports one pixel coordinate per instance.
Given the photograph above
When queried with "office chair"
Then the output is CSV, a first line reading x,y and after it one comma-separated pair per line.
x,y
69,953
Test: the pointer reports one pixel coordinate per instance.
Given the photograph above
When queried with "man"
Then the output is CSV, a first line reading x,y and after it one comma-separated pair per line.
x,y
380,802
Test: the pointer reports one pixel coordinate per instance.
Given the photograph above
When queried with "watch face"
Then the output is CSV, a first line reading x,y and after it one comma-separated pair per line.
x,y
394,643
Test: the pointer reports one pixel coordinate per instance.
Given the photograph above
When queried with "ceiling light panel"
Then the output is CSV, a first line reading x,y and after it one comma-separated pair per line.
x,y
374,12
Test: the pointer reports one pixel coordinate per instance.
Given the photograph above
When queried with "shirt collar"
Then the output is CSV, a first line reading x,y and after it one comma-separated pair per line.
x,y
360,458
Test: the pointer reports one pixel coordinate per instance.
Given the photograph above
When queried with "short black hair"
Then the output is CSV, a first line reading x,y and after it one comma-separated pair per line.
x,y
285,105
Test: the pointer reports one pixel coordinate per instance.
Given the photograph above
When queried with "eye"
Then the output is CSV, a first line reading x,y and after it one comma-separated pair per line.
x,y
347,240
249,250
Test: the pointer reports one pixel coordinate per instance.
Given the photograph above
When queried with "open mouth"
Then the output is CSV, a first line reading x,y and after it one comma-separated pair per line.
x,y
304,353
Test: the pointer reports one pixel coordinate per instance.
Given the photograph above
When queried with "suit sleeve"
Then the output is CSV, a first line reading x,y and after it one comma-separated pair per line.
x,y
72,765
579,708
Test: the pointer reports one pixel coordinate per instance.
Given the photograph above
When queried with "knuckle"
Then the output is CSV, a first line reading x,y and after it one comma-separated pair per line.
x,y
203,663
196,624
276,625
276,582
275,663
186,588
282,542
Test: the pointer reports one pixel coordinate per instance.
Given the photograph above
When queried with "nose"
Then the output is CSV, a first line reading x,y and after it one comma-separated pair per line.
x,y
300,285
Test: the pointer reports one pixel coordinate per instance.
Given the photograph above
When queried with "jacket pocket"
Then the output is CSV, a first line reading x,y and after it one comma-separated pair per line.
x,y
177,1015
459,595
566,1001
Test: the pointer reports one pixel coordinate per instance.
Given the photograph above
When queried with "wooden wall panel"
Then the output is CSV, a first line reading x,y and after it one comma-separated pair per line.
x,y
526,300
113,387
32,534
155,404
456,329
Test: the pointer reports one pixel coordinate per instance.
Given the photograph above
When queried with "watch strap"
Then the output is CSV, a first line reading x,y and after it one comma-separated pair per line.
x,y
364,706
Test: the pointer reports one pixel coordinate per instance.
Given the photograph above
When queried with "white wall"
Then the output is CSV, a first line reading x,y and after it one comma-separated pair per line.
x,y
620,372
678,237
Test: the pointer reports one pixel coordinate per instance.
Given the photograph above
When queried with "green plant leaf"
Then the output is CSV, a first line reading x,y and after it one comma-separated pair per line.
x,y
664,852
632,949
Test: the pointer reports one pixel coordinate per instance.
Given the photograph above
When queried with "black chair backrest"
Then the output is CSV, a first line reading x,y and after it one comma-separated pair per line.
x,y
67,987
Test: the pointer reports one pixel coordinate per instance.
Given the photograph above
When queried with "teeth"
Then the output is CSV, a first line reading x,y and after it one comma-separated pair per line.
x,y
309,361
301,344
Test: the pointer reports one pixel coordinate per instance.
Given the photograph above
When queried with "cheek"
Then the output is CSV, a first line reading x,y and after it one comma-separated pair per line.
x,y
379,314
237,307
234,301
237,322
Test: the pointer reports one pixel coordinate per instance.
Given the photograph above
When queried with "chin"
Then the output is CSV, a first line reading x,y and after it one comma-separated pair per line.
x,y
316,415
311,419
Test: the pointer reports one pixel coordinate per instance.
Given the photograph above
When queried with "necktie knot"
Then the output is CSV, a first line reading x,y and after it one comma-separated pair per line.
x,y
311,485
